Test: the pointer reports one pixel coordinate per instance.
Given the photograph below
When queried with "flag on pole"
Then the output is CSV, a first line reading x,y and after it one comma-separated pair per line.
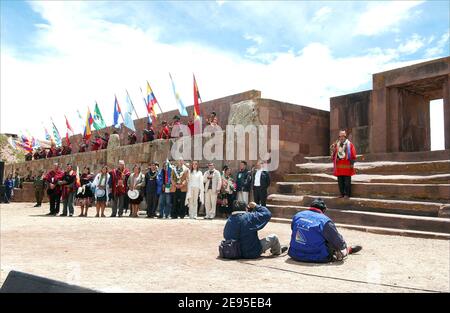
x,y
26,144
88,124
197,98
131,103
117,111
47,135
128,120
35,143
145,103
69,131
56,134
81,120
151,101
99,123
180,104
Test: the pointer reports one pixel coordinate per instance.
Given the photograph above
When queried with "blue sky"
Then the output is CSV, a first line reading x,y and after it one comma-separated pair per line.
x,y
297,51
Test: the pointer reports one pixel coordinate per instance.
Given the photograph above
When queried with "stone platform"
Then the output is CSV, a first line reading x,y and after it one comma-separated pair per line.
x,y
398,197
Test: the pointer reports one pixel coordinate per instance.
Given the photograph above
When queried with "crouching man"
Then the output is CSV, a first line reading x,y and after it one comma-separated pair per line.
x,y
243,226
315,237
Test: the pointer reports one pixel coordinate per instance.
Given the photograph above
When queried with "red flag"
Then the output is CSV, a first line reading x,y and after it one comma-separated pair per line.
x,y
196,99
69,131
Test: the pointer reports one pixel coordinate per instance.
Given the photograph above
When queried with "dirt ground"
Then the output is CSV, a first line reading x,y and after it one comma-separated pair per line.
x,y
151,255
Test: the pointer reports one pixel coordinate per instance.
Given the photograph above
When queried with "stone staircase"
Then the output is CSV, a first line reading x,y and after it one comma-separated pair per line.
x,y
391,197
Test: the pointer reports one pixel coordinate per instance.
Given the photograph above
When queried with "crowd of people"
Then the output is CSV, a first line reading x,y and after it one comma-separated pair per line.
x,y
175,189
107,140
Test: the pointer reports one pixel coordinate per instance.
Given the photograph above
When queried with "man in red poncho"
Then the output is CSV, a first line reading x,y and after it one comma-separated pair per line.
x,y
344,156
96,144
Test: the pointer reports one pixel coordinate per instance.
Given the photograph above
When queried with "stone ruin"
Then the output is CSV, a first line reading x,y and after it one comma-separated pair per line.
x,y
401,187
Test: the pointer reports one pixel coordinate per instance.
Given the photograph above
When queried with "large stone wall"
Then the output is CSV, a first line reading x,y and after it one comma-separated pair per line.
x,y
303,132
395,115
351,113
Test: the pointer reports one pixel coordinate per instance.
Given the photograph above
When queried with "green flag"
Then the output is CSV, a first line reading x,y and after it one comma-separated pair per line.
x,y
99,123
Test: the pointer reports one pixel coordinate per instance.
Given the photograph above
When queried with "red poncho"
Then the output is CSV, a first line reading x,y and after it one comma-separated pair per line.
x,y
344,166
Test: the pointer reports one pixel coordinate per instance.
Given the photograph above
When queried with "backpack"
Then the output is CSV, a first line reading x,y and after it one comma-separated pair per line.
x,y
230,249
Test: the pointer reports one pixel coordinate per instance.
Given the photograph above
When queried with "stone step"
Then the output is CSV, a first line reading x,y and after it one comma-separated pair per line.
x,y
417,156
380,230
362,218
433,209
366,178
384,167
428,192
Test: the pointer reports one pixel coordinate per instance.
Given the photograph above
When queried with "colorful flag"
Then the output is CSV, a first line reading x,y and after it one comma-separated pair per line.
x,y
25,144
151,101
99,123
196,99
56,134
180,104
35,143
128,120
87,128
69,131
145,103
47,135
117,111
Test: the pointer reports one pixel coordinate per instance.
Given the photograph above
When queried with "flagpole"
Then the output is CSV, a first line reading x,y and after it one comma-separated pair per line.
x,y
156,101
129,98
115,96
145,102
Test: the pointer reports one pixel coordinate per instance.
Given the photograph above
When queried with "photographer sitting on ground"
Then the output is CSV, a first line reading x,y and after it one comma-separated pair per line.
x,y
315,237
243,226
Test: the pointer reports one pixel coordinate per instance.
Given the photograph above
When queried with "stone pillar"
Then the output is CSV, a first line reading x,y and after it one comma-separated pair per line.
x,y
446,104
378,115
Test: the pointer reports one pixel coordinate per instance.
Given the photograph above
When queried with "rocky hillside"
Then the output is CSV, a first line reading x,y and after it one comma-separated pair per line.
x,y
7,153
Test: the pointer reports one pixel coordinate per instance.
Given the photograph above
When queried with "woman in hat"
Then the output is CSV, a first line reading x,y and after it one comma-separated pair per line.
x,y
136,184
101,183
85,194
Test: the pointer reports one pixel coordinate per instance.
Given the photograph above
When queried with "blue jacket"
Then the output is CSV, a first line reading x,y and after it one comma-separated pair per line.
x,y
244,226
307,241
9,184
159,182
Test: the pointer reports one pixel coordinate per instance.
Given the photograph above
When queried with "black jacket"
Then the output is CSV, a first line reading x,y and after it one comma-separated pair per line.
x,y
244,183
264,181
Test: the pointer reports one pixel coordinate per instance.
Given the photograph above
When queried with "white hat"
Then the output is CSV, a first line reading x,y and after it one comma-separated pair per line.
x,y
133,194
99,193
122,162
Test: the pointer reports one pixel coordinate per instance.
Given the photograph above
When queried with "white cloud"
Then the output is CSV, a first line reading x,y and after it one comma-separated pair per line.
x,y
92,59
441,48
255,38
412,45
322,14
383,16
